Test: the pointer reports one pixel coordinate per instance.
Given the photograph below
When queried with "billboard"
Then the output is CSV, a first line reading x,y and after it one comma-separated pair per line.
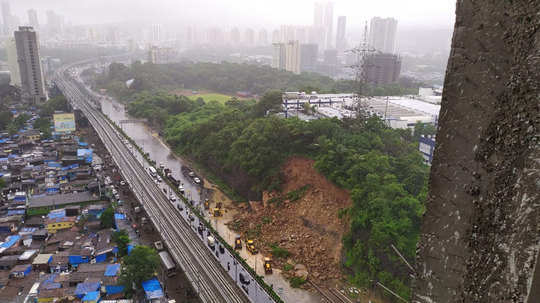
x,y
64,123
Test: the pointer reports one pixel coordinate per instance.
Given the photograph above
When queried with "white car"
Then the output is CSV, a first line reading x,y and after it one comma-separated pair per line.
x,y
172,198
197,180
181,188
159,179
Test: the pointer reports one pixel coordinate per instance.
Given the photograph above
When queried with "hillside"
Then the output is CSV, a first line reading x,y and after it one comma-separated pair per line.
x,y
309,228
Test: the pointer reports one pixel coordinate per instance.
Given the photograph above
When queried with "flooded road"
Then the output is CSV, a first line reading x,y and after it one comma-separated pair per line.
x,y
151,143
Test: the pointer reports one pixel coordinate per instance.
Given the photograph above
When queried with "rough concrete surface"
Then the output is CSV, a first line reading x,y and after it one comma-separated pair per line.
x,y
480,235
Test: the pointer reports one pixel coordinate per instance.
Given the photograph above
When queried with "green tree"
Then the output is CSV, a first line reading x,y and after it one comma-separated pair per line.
x,y
5,119
139,266
270,101
2,183
107,218
121,238
423,129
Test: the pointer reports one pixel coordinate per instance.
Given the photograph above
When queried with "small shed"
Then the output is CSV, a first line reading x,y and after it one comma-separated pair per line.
x,y
21,271
8,262
42,262
91,297
152,289
85,288
27,256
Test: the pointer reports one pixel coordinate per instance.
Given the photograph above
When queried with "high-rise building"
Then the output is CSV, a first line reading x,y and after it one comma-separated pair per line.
x,y
302,34
382,34
275,36
156,33
287,33
308,57
6,18
13,64
279,56
161,55
323,18
292,55
382,68
263,37
33,18
55,23
32,80
341,42
318,15
329,23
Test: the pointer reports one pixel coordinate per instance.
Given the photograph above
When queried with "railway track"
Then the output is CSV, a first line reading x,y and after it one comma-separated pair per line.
x,y
209,279
331,295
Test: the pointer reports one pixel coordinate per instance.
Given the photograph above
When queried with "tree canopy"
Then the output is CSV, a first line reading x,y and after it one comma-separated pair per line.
x,y
226,78
139,266
380,166
121,238
107,218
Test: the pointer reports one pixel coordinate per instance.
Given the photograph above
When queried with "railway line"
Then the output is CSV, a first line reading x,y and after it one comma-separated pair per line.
x,y
209,279
331,295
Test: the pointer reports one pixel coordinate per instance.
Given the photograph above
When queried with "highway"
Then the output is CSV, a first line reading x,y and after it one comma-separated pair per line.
x,y
209,279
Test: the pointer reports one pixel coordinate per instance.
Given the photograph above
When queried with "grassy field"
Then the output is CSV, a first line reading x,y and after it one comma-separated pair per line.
x,y
206,95
211,96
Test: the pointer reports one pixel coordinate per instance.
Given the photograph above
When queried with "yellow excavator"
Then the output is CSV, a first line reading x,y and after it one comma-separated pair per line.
x,y
267,263
251,247
218,210
237,243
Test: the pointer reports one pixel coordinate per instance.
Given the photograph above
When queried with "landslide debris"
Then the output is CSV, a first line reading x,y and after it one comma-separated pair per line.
x,y
302,219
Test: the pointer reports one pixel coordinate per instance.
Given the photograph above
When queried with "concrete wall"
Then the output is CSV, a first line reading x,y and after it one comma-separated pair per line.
x,y
480,235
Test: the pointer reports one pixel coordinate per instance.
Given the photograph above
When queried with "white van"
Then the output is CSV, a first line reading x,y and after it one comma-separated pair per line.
x,y
152,171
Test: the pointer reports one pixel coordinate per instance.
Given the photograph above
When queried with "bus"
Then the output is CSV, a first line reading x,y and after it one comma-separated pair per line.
x,y
168,263
152,171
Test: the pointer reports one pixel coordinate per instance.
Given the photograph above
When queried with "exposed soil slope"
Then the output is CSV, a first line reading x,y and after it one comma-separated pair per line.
x,y
307,225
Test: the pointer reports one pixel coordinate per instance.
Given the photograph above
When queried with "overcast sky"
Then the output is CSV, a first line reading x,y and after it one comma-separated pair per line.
x,y
255,13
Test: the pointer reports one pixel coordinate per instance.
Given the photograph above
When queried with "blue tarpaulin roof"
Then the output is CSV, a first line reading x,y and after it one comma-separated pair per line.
x,y
54,164
91,296
12,240
85,288
15,212
152,289
50,284
112,270
55,214
114,289
119,216
129,249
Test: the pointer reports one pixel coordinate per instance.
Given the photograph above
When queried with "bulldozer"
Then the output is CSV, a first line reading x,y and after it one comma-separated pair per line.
x,y
218,210
237,243
251,247
267,263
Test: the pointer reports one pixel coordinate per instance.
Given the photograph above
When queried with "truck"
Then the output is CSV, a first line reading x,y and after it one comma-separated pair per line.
x,y
237,243
152,171
267,264
173,180
251,247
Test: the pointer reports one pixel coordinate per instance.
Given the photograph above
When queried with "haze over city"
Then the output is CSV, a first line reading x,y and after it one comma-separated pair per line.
x,y
255,13
256,151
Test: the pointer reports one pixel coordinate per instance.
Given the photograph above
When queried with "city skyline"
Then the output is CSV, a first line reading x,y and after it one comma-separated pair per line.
x,y
438,13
